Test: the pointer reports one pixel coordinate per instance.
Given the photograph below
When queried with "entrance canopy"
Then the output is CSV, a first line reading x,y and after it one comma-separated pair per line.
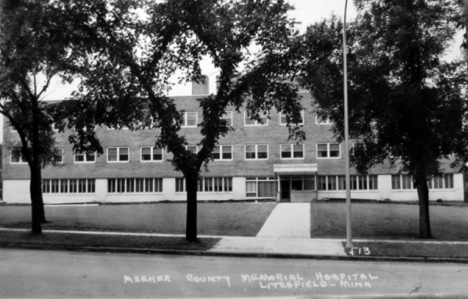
x,y
295,169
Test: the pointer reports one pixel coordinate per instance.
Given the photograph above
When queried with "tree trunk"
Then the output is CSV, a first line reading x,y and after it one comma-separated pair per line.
x,y
41,203
35,164
423,196
191,224
37,207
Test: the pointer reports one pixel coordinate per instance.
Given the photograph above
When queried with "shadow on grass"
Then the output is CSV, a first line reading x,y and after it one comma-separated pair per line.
x,y
63,240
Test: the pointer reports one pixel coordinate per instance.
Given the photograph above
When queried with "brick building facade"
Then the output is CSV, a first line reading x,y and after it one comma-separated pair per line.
x,y
254,161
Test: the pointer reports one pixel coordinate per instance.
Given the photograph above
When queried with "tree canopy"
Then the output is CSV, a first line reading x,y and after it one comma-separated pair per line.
x,y
136,47
33,50
406,104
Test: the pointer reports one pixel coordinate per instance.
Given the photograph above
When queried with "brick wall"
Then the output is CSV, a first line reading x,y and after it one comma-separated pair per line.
x,y
273,134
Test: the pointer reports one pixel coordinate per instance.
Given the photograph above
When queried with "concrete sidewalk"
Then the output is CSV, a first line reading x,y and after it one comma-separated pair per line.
x,y
287,220
280,246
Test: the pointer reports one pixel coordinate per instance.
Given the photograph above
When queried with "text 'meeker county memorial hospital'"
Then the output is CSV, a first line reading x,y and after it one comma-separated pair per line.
x,y
255,161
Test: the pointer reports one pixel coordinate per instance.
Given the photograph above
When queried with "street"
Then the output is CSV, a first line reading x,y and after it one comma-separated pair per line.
x,y
34,273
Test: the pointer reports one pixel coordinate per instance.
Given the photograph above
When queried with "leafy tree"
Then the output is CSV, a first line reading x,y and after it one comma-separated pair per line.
x,y
32,52
406,104
136,47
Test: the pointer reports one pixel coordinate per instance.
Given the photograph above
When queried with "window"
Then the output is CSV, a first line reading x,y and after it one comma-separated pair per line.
x,y
256,152
73,186
55,186
222,153
151,154
250,122
396,184
292,151
85,158
192,148
284,119
328,150
190,119
59,156
448,181
405,182
64,186
260,187
180,185
69,186
16,158
118,154
148,123
135,185
323,120
84,128
338,182
341,182
228,117
45,186
373,182
218,184
251,188
117,127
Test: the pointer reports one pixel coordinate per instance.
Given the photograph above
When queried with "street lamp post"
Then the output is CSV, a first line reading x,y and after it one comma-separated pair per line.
x,y
349,243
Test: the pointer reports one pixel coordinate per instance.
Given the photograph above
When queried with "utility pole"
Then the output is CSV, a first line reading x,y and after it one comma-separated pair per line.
x,y
349,243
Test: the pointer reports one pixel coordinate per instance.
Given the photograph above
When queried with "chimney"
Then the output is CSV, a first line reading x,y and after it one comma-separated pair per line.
x,y
201,86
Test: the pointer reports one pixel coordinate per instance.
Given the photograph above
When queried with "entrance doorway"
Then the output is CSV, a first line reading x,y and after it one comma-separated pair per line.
x,y
297,188
285,187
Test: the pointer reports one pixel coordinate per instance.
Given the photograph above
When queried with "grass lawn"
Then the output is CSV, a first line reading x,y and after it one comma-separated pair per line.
x,y
388,221
221,219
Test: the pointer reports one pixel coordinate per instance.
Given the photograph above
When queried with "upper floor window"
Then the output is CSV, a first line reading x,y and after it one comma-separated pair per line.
x,y
192,148
190,119
292,151
328,150
323,120
250,122
16,158
59,156
118,154
148,124
284,119
85,158
228,117
151,154
222,152
256,152
118,127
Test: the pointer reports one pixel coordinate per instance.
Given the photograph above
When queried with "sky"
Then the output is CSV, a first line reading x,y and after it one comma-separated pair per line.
x,y
306,12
